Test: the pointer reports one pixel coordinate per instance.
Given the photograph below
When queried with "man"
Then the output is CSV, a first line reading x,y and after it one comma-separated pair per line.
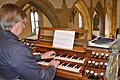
x,y
16,59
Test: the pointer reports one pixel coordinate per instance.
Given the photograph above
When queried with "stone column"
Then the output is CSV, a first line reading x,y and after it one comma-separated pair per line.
x,y
114,18
118,15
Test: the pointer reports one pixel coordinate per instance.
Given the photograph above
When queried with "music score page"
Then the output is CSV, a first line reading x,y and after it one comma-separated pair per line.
x,y
64,39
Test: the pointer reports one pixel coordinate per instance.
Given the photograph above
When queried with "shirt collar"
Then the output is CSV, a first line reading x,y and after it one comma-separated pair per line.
x,y
8,34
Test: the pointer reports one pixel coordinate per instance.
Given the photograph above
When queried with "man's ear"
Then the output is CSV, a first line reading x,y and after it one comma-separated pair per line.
x,y
13,28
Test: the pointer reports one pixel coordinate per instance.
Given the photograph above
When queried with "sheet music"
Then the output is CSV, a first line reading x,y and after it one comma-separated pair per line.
x,y
63,39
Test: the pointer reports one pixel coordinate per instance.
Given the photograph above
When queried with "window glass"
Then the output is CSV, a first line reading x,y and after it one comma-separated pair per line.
x,y
80,21
34,21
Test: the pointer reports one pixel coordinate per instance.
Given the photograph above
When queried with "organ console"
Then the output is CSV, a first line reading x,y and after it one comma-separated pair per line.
x,y
81,63
71,61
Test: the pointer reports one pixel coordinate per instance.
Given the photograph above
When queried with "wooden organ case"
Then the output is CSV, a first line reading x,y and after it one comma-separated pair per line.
x,y
75,64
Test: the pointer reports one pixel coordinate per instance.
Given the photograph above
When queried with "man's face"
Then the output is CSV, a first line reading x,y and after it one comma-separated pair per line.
x,y
18,28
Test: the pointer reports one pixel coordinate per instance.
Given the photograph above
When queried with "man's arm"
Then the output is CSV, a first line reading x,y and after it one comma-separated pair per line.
x,y
23,62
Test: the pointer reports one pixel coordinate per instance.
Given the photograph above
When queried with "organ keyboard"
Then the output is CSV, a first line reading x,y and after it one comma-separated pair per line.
x,y
64,65
71,62
70,58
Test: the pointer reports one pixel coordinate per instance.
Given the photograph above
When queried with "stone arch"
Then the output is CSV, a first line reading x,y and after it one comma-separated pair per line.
x,y
82,8
45,7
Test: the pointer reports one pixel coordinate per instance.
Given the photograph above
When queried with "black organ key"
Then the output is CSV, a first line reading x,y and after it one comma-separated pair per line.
x,y
78,58
57,55
64,64
63,56
47,60
78,66
61,63
69,56
60,55
75,57
71,65
81,58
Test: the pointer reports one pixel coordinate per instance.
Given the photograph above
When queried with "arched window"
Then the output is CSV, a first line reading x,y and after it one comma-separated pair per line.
x,y
34,21
80,21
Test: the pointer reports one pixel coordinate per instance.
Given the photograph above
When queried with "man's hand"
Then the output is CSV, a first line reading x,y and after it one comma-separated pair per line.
x,y
47,55
54,63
